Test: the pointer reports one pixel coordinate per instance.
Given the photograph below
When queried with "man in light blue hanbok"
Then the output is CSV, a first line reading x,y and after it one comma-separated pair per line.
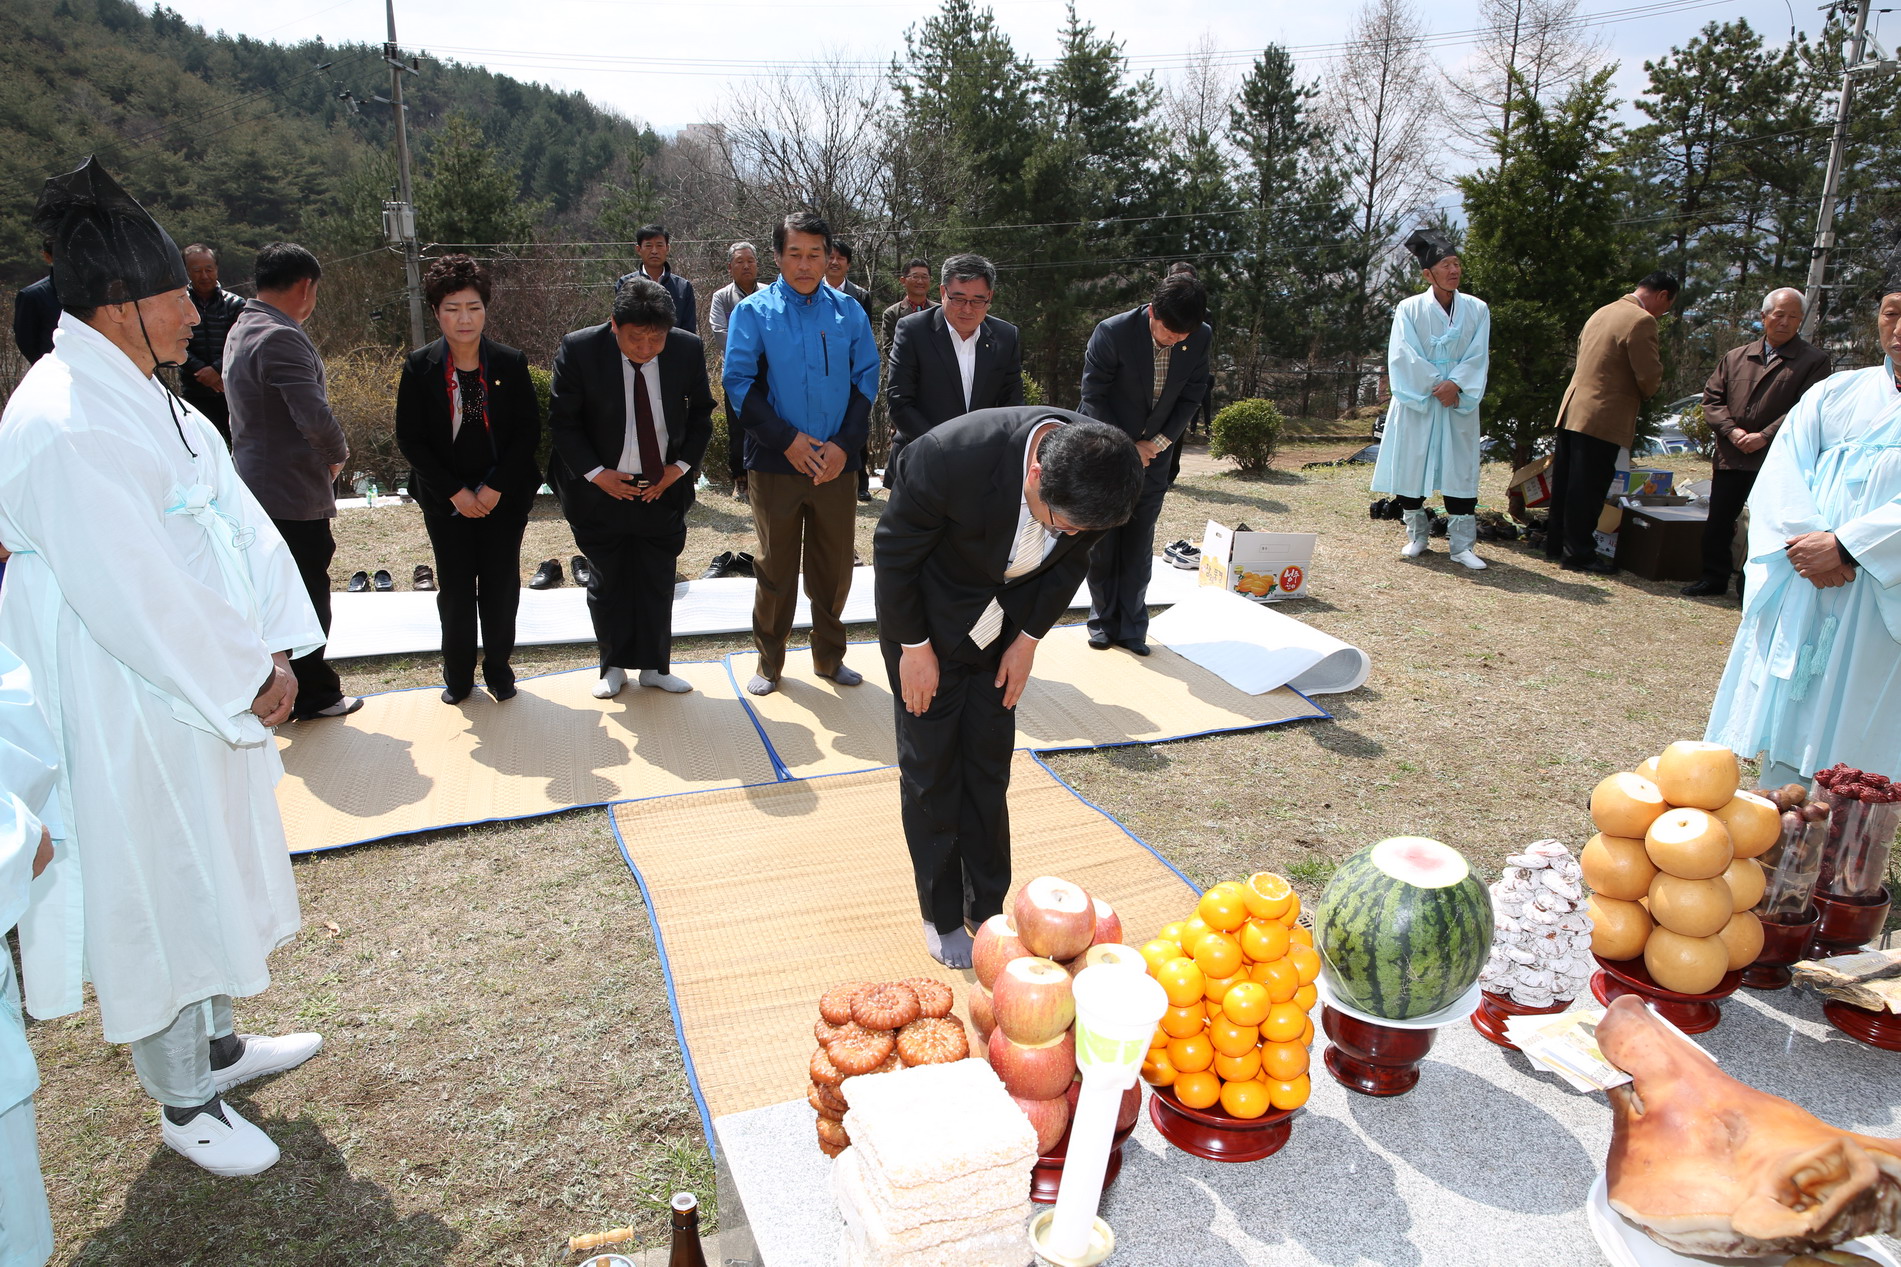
x,y
1814,676
29,824
157,608
1436,363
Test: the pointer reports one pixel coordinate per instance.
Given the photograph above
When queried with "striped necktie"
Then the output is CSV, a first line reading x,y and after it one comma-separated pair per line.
x,y
1023,559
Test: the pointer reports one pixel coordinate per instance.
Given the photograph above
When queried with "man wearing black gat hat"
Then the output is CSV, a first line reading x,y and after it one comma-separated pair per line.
x,y
157,609
1436,363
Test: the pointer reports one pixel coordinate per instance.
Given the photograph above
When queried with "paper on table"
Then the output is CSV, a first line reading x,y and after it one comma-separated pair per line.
x,y
1256,648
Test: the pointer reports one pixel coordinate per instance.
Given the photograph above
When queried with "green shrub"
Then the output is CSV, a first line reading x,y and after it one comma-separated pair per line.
x,y
361,386
1699,430
544,392
1032,390
1249,431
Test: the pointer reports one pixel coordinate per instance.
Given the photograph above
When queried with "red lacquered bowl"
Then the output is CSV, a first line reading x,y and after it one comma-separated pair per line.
x,y
1046,1178
1877,1029
1215,1136
1489,1020
1691,1013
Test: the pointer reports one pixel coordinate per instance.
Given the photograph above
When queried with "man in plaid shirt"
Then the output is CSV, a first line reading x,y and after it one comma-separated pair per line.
x,y
203,378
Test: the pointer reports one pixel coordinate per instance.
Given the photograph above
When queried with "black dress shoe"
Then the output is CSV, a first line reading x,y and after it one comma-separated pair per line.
x,y
582,570
743,564
546,576
359,582
1596,565
499,693
383,581
721,566
1705,588
450,697
1098,642
424,578
1135,646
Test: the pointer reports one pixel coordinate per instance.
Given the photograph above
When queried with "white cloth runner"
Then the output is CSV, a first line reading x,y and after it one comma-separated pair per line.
x,y
1257,648
405,622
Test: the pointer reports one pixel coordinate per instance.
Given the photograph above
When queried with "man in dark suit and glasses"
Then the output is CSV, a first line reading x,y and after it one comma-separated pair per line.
x,y
950,361
976,556
1146,372
631,416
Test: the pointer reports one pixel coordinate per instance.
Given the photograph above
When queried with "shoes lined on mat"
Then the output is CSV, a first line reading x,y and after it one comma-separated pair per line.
x,y
1183,555
582,571
383,582
424,578
359,582
547,576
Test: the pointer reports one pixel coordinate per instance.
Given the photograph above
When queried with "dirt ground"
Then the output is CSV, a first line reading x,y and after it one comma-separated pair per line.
x,y
500,1069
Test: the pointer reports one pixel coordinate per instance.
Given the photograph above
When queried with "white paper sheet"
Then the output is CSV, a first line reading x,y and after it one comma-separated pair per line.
x,y
1257,648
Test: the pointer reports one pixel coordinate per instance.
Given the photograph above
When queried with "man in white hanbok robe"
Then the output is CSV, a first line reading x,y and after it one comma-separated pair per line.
x,y
29,826
156,606
1436,364
1814,676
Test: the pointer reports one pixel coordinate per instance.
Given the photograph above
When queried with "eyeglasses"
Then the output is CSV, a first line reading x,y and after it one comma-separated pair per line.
x,y
967,301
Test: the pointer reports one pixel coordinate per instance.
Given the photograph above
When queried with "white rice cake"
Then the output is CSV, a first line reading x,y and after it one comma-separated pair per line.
x,y
931,1123
952,1218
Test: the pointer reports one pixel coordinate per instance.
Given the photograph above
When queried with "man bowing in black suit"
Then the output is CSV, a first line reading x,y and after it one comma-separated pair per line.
x,y
1146,371
953,360
631,416
977,555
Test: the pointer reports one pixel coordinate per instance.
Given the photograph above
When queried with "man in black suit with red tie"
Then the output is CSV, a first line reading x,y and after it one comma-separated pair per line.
x,y
949,361
631,416
978,553
1145,371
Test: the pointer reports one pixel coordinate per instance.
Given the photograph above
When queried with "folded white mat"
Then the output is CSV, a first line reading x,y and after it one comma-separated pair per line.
x,y
934,1123
366,624
1257,648
953,1217
1006,1247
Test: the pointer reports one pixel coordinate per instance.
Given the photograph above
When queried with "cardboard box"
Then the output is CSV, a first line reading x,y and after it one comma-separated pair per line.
x,y
1662,543
1534,481
1264,566
1640,481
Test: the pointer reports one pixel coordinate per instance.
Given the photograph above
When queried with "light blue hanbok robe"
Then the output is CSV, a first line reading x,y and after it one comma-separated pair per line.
x,y
1427,447
1814,676
147,592
27,803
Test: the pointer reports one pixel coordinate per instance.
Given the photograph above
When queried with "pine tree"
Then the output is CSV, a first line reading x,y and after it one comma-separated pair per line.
x,y
469,194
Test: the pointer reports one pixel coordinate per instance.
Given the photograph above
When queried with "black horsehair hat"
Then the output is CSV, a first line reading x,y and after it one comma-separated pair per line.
x,y
107,249
1429,246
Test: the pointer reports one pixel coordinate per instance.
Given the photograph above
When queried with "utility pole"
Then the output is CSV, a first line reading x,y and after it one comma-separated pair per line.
x,y
399,218
1831,182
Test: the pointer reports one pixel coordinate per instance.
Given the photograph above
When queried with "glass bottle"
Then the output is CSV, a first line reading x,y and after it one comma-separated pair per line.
x,y
686,1250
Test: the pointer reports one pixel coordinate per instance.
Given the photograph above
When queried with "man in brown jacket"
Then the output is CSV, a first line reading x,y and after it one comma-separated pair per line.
x,y
1744,401
1617,368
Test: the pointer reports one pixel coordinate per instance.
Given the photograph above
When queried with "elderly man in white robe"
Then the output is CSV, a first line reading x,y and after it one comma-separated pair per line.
x,y
1814,676
29,824
157,609
1436,363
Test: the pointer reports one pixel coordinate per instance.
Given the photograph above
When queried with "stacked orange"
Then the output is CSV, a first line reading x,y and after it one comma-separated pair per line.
x,y
1239,974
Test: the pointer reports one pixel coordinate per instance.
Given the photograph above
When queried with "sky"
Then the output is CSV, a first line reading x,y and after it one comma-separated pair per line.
x,y
670,65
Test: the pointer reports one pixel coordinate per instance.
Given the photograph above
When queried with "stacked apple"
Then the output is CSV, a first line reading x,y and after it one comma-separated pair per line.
x,y
1022,1006
1239,974
1674,868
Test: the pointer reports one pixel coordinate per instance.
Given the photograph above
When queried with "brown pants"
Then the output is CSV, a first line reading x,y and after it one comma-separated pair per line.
x,y
793,516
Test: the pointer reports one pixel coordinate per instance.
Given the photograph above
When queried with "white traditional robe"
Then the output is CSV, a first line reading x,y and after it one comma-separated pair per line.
x,y
1427,447
27,803
147,593
1814,676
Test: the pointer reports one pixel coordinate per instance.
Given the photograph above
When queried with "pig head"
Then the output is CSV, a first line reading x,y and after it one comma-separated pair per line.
x,y
1707,1165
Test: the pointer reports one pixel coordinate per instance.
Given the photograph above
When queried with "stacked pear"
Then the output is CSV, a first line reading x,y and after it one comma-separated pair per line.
x,y
1673,866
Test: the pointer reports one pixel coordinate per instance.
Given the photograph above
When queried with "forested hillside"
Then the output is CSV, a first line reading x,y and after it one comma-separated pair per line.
x,y
236,142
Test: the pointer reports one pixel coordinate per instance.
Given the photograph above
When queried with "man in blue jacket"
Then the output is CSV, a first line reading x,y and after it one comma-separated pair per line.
x,y
801,373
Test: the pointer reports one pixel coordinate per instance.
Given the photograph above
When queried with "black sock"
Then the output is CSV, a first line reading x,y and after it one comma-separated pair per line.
x,y
179,1117
226,1051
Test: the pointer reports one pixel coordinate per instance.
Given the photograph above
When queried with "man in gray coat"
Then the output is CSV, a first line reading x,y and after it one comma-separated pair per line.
x,y
287,445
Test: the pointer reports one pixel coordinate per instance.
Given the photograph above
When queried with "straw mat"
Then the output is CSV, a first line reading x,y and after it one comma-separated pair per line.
x,y
407,762
1077,698
764,898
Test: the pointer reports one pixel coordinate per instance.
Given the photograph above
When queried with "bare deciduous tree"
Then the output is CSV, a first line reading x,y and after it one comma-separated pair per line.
x,y
1538,47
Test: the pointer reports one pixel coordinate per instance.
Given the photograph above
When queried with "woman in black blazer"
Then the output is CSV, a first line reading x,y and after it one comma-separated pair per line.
x,y
469,422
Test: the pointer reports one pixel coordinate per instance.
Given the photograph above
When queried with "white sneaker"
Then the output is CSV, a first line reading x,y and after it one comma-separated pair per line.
x,y
1413,549
230,1147
267,1055
669,682
1469,559
609,685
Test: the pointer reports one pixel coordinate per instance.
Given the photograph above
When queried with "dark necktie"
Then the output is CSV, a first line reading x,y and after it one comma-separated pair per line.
x,y
644,438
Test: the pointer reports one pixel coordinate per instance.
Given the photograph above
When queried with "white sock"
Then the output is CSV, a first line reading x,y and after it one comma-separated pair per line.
x,y
611,682
761,685
665,681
